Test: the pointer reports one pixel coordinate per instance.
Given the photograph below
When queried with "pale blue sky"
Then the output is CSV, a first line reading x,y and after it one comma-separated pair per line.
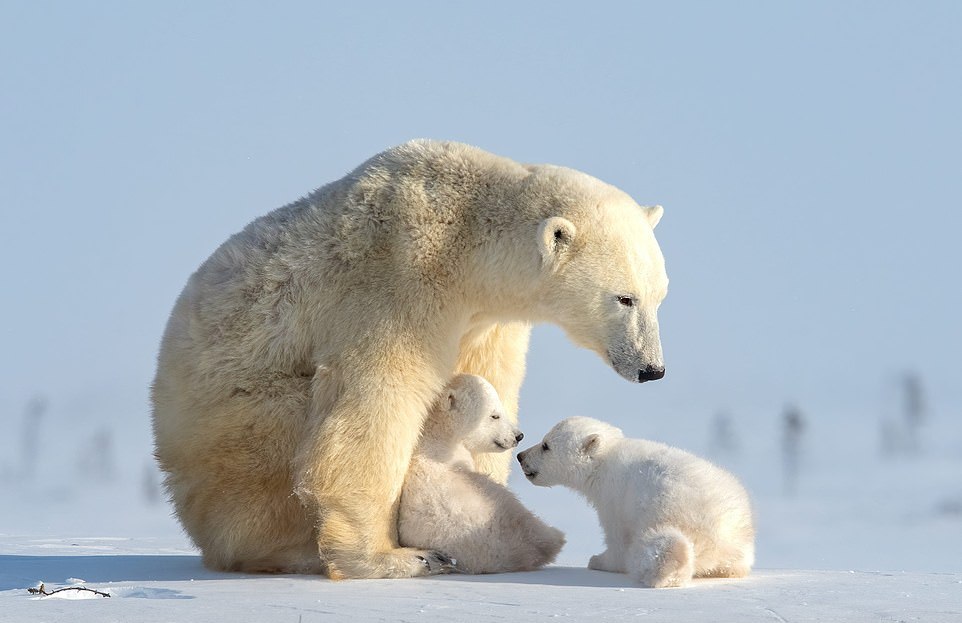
x,y
808,155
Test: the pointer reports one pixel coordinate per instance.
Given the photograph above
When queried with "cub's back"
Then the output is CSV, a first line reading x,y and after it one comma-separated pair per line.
x,y
668,481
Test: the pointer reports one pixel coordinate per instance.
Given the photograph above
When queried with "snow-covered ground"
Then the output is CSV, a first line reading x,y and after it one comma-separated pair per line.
x,y
151,580
864,537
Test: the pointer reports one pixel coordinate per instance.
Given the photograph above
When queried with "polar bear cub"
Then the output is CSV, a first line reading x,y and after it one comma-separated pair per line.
x,y
668,515
447,506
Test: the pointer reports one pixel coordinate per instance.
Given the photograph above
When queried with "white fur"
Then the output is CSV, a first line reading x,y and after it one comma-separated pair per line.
x,y
668,515
447,506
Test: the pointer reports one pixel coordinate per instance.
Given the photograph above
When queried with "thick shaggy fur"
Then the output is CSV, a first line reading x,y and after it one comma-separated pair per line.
x,y
301,359
447,506
668,515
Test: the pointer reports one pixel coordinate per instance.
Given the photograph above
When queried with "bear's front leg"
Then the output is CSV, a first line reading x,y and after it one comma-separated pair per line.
x,y
352,545
352,469
497,352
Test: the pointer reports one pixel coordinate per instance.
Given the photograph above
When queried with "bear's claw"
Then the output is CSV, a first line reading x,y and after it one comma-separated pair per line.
x,y
437,563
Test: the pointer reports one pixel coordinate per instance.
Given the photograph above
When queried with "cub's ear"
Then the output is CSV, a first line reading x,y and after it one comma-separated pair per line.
x,y
555,235
653,214
591,445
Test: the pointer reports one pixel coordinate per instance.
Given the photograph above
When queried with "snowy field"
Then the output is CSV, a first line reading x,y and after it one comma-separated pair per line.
x,y
864,537
148,580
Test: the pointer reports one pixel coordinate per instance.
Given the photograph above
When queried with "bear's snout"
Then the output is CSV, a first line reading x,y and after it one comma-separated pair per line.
x,y
650,373
518,438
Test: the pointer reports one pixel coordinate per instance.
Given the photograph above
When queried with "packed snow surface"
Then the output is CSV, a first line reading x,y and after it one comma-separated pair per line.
x,y
156,580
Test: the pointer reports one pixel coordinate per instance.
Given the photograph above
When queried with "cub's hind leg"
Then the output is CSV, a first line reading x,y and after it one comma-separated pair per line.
x,y
662,557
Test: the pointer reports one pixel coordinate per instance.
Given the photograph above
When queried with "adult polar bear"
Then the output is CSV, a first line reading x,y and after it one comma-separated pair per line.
x,y
301,358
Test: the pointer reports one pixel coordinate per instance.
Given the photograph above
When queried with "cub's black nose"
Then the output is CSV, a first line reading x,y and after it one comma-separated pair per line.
x,y
519,437
650,374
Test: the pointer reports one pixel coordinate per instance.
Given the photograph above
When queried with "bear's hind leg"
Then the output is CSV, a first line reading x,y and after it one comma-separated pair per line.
x,y
662,557
293,561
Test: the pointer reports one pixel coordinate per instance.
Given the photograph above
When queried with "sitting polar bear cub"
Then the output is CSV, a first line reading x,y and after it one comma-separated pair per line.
x,y
447,506
667,514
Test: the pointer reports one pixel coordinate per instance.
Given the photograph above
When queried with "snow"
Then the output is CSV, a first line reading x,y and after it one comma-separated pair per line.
x,y
139,572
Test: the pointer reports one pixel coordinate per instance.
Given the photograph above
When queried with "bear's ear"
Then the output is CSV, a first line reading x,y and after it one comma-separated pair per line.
x,y
555,235
452,401
591,445
653,214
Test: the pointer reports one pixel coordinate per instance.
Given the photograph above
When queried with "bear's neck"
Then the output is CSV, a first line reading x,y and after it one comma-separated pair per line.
x,y
503,281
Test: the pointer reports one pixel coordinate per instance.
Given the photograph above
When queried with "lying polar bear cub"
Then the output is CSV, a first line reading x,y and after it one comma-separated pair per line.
x,y
667,514
447,506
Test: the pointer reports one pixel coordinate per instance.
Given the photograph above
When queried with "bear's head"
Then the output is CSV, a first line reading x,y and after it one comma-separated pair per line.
x,y
568,453
602,271
475,416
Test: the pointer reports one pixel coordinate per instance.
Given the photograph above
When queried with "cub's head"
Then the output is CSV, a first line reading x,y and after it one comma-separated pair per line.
x,y
568,453
473,409
603,273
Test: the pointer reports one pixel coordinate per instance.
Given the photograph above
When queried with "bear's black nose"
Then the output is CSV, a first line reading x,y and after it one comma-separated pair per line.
x,y
521,457
519,437
650,374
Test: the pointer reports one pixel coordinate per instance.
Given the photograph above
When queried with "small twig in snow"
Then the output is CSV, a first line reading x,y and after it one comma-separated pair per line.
x,y
42,590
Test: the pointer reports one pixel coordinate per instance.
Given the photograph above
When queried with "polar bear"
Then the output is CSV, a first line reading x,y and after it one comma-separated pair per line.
x,y
428,260
447,506
667,514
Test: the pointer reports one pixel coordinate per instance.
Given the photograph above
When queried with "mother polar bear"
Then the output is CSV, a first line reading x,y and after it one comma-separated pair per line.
x,y
302,357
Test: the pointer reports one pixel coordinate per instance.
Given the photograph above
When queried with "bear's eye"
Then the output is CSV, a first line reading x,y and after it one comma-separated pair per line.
x,y
495,416
544,446
627,301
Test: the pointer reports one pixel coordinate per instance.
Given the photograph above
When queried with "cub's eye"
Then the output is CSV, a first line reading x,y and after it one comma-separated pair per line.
x,y
544,447
495,416
627,301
